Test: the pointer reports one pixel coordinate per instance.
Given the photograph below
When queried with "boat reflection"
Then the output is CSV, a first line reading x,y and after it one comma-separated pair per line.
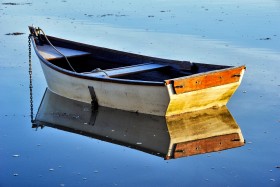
x,y
169,137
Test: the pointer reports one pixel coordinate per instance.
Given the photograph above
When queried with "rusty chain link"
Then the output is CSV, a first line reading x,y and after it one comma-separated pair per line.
x,y
30,80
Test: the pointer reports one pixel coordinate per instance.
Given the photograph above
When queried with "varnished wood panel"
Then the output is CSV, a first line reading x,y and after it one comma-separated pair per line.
x,y
207,80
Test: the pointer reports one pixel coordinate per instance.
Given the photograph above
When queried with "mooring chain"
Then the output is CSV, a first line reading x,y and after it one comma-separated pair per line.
x,y
30,80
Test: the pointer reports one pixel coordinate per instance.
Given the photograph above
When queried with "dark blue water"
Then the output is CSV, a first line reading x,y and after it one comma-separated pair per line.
x,y
243,32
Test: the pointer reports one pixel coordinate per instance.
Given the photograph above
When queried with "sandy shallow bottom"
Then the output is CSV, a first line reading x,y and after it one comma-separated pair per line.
x,y
244,32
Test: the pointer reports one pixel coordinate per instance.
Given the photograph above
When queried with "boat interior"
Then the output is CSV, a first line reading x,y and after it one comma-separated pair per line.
x,y
101,62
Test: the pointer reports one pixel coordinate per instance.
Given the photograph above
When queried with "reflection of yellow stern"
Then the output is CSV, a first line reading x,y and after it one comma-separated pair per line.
x,y
202,132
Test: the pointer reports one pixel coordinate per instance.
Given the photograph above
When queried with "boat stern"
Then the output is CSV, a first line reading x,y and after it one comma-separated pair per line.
x,y
203,90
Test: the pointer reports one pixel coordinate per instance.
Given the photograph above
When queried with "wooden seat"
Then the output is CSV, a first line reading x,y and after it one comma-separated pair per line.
x,y
49,53
117,72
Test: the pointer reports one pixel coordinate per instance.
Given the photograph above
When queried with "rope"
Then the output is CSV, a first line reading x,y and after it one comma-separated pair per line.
x,y
97,70
57,50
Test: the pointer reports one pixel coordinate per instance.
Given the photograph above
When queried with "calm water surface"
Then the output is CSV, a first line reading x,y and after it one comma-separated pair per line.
x,y
230,33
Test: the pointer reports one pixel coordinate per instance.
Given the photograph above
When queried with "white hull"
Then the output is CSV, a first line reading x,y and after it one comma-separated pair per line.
x,y
136,98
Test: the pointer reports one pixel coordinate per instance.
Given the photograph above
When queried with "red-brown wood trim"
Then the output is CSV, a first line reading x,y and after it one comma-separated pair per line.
x,y
208,80
207,145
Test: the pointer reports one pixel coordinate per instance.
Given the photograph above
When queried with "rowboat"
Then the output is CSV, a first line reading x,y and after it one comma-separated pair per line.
x,y
132,82
170,137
